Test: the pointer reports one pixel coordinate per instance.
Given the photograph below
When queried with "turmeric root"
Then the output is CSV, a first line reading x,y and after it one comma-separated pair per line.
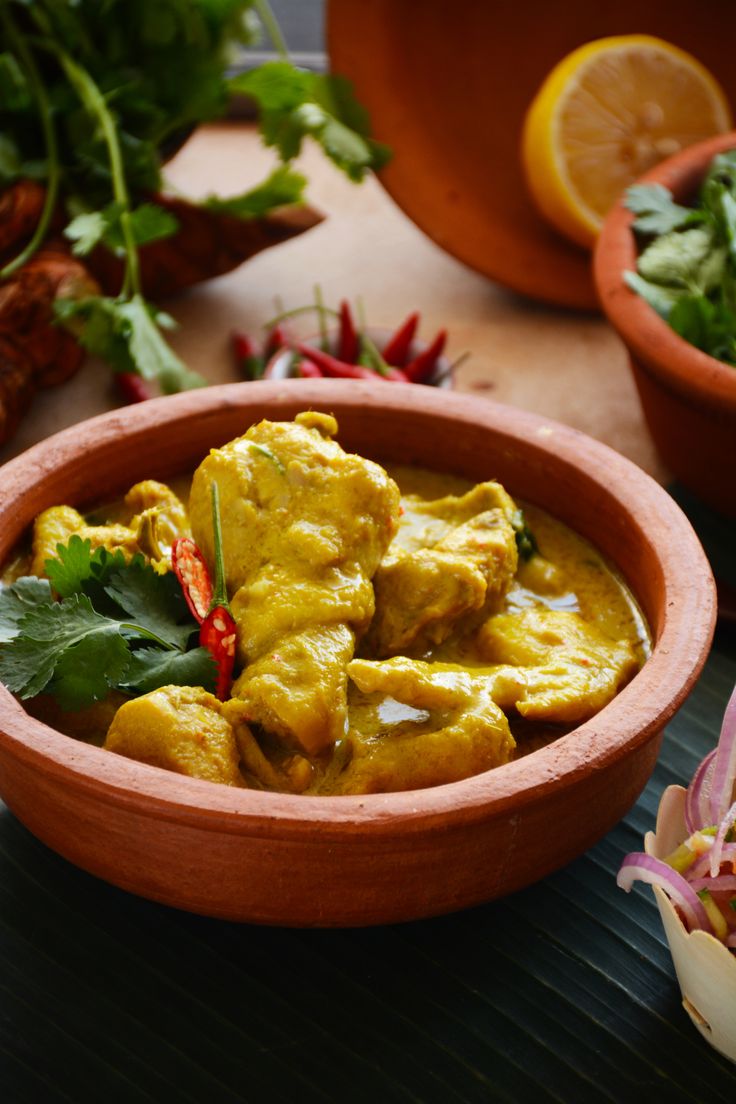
x,y
207,244
21,204
34,352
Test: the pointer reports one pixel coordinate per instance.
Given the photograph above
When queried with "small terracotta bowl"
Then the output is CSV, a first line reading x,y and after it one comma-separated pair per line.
x,y
354,860
688,397
282,364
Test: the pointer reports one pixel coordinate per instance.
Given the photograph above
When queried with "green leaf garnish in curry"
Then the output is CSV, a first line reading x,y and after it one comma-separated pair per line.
x,y
387,638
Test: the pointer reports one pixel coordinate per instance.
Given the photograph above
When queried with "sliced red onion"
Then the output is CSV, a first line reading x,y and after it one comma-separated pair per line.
x,y
701,867
731,940
697,799
638,867
724,771
716,850
724,883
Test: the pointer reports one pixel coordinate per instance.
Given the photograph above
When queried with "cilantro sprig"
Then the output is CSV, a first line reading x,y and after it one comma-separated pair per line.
x,y
98,623
92,95
686,269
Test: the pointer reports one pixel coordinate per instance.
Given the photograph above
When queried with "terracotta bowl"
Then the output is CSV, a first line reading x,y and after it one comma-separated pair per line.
x,y
354,860
688,397
448,88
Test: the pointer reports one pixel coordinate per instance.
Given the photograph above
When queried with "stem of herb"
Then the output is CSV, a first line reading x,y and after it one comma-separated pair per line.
x,y
94,101
322,316
284,315
373,352
451,368
269,21
219,596
49,134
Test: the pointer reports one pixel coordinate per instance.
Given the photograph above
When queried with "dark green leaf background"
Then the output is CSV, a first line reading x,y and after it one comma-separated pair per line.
x,y
563,992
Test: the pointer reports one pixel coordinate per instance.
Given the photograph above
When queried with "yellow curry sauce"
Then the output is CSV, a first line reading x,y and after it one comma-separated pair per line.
x,y
472,656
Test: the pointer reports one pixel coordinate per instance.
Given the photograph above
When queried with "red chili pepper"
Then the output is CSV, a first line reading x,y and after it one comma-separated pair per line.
x,y
349,343
398,375
209,605
132,388
336,369
277,339
218,635
247,360
422,366
193,575
396,350
308,369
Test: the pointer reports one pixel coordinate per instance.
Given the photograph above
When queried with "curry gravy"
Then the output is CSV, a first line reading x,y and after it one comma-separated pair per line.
x,y
566,573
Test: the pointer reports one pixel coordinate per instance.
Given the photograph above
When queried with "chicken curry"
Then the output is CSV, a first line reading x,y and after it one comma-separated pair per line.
x,y
395,629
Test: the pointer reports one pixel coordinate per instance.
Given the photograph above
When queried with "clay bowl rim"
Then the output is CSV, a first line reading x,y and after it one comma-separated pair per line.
x,y
650,340
640,710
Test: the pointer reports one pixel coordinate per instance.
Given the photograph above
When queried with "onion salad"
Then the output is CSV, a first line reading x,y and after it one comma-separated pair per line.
x,y
699,876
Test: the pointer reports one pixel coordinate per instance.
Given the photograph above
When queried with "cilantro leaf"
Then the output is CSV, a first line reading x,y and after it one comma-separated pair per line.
x,y
125,333
706,325
85,672
283,187
276,86
526,542
78,570
148,223
153,602
15,93
658,213
91,641
661,298
684,258
86,231
47,633
151,668
295,104
17,599
127,590
152,357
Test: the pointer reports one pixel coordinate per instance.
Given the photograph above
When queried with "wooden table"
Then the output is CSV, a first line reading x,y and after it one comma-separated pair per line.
x,y
564,992
565,365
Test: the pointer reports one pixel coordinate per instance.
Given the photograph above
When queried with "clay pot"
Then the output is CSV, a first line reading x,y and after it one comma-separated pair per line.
x,y
688,397
448,89
298,860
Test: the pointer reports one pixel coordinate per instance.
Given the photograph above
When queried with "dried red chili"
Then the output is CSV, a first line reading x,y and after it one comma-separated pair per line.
x,y
132,387
248,362
336,369
349,342
278,338
396,349
308,369
420,369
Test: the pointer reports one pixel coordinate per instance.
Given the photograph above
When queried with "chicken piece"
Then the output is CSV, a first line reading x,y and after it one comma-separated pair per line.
x,y
452,557
159,518
179,728
459,730
304,528
187,730
57,524
294,686
553,665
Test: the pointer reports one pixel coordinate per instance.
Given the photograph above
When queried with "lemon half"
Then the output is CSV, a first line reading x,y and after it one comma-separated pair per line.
x,y
605,114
